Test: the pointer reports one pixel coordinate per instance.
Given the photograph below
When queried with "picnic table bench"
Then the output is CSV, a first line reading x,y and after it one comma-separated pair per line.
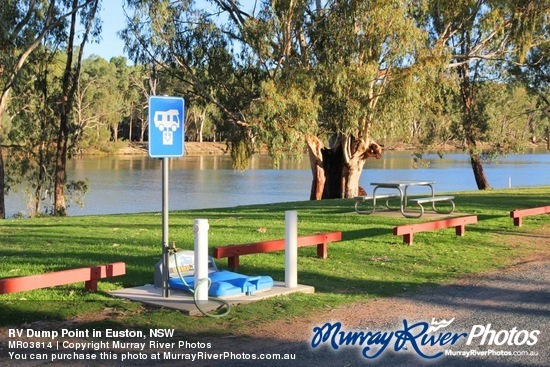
x,y
232,252
362,199
433,200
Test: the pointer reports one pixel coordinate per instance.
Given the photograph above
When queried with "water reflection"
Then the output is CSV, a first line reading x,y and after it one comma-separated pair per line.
x,y
128,184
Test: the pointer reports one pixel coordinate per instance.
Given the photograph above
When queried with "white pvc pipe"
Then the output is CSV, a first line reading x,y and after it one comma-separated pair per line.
x,y
201,258
291,249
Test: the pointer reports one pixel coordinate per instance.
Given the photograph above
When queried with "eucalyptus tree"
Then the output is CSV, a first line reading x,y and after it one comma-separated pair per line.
x,y
135,104
99,102
483,39
86,16
30,133
297,75
33,130
513,116
199,122
122,105
24,24
535,76
142,83
352,71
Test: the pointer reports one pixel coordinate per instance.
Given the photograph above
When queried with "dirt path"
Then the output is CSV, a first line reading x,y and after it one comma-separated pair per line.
x,y
515,297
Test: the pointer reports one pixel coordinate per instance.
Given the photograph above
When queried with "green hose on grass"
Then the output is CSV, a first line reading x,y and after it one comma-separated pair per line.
x,y
201,282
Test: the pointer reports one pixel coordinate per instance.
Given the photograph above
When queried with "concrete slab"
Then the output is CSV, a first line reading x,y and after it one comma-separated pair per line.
x,y
183,301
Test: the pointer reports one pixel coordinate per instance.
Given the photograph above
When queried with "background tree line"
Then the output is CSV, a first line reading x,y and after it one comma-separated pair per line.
x,y
338,79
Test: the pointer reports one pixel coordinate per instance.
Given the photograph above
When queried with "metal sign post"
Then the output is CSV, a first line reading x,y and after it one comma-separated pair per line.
x,y
166,137
165,243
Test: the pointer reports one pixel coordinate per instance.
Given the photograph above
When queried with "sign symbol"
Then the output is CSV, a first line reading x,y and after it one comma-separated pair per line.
x,y
167,120
547,110
167,137
166,129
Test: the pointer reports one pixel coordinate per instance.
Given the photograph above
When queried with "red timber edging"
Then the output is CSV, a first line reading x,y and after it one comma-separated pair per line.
x,y
408,230
90,275
232,252
518,214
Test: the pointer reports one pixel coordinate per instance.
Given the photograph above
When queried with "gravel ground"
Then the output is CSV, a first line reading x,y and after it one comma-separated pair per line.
x,y
516,297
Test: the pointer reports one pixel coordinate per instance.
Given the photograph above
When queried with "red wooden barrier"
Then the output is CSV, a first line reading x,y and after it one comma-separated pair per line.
x,y
408,230
232,252
89,275
518,214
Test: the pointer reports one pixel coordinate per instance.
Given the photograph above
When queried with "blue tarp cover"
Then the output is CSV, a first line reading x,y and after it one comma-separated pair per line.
x,y
227,283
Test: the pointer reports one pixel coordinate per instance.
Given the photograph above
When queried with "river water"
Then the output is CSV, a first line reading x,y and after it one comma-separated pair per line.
x,y
131,184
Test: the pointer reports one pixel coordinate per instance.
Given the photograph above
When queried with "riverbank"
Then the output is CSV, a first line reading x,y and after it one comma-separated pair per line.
x,y
191,149
217,148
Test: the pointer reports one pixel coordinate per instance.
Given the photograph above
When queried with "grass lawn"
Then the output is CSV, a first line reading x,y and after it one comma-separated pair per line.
x,y
369,262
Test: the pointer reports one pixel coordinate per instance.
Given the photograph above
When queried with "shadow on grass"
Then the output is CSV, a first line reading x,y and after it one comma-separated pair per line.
x,y
365,234
503,200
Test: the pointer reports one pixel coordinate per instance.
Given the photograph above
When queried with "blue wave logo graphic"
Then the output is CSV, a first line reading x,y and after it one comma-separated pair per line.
x,y
439,325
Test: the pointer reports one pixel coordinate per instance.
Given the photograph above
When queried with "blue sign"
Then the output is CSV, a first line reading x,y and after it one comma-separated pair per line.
x,y
166,126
